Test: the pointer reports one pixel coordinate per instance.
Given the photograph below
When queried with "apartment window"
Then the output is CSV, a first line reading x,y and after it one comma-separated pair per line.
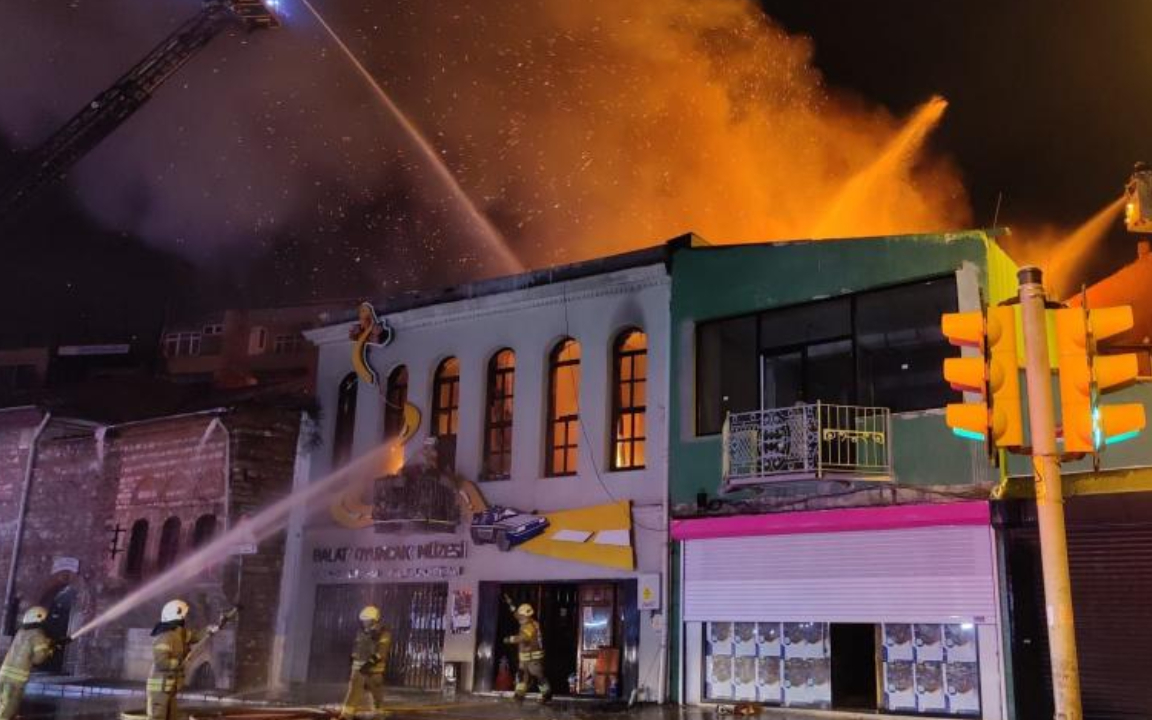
x,y
562,442
182,344
345,420
395,397
879,348
446,410
498,415
287,344
169,543
629,404
257,340
204,530
137,544
214,329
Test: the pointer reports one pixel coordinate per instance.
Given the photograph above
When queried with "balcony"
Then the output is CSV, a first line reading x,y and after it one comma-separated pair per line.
x,y
807,442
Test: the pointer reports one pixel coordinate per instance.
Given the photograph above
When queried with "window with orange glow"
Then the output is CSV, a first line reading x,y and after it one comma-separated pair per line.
x,y
498,416
562,443
446,398
629,406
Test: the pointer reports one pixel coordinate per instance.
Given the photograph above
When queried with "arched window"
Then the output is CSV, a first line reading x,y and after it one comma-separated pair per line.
x,y
629,407
345,420
395,396
204,530
562,442
169,543
137,544
446,410
498,416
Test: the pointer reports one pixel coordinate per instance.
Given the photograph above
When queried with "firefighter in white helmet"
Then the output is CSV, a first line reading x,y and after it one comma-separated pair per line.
x,y
369,661
171,645
530,643
30,647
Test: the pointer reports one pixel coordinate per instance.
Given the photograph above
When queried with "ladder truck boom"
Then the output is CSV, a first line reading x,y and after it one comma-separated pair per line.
x,y
108,110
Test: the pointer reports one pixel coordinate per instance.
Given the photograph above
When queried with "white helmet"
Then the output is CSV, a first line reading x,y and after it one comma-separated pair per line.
x,y
174,610
370,613
35,614
525,610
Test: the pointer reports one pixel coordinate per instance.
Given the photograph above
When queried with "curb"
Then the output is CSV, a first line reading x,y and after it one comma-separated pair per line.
x,y
65,690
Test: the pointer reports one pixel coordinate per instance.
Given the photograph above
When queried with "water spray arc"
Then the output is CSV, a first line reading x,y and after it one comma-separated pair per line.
x,y
492,238
260,526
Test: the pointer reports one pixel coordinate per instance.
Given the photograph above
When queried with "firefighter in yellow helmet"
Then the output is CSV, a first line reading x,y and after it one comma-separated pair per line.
x,y
171,645
30,647
530,643
369,660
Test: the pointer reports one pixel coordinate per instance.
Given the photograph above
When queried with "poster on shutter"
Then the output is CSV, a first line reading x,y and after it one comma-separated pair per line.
x,y
744,639
768,639
898,642
960,642
804,640
720,637
744,678
719,681
768,679
806,683
930,693
899,685
461,611
929,643
962,685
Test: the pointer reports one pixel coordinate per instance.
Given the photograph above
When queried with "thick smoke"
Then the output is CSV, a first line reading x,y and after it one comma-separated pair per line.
x,y
581,128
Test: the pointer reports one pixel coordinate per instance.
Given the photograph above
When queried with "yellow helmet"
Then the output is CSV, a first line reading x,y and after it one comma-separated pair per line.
x,y
174,610
525,610
370,613
35,614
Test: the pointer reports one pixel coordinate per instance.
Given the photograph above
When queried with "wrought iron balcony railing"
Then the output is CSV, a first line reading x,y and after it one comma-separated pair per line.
x,y
807,442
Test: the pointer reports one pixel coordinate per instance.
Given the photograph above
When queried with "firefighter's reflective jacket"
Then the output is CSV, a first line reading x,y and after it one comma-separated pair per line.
x,y
529,640
170,649
30,647
370,650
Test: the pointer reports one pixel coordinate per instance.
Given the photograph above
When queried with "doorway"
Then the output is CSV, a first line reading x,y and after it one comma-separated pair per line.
x,y
853,666
556,606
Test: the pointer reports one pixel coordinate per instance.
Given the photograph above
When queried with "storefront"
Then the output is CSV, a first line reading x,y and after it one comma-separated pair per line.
x,y
892,609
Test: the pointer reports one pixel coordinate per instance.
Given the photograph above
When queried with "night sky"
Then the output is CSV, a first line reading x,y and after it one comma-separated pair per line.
x,y
266,171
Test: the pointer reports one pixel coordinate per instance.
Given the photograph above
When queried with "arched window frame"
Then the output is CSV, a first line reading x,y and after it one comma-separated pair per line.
x,y
344,430
137,550
629,401
562,439
395,397
169,543
498,415
204,530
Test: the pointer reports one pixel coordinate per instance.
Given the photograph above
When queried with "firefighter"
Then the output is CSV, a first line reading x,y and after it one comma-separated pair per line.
x,y
369,658
31,646
531,646
171,646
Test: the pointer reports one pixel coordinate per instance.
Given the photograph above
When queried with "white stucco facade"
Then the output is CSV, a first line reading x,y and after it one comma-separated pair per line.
x,y
593,309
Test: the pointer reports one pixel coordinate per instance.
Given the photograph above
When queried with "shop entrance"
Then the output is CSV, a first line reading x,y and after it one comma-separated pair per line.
x,y
414,612
587,626
853,666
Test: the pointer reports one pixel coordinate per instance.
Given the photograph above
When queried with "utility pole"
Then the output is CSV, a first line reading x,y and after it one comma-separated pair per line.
x,y
1049,498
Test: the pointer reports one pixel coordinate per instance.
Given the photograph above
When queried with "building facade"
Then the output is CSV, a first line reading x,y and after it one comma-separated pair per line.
x,y
542,393
834,545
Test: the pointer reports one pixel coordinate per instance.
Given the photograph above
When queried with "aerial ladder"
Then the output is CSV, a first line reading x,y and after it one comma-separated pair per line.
x,y
100,117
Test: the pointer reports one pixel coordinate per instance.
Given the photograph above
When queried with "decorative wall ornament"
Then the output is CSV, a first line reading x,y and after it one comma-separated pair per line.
x,y
369,331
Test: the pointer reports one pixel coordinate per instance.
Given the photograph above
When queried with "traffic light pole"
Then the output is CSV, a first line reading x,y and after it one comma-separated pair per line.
x,y
1049,499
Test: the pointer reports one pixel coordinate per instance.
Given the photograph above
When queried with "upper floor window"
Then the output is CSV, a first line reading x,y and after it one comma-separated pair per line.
x,y
257,340
562,439
204,530
879,348
137,545
287,344
446,398
345,420
214,329
169,543
395,397
498,415
181,344
629,404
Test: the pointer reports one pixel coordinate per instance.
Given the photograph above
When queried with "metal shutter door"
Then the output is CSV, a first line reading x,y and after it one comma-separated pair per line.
x,y
933,574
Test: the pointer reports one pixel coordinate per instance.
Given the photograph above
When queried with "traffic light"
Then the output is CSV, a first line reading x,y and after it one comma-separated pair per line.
x,y
994,374
1085,376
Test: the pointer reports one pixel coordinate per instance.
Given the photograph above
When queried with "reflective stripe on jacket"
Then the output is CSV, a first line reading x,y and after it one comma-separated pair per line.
x,y
530,641
169,651
371,648
29,648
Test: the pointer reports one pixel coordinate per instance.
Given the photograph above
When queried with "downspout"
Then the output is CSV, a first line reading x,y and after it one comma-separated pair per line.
x,y
29,469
